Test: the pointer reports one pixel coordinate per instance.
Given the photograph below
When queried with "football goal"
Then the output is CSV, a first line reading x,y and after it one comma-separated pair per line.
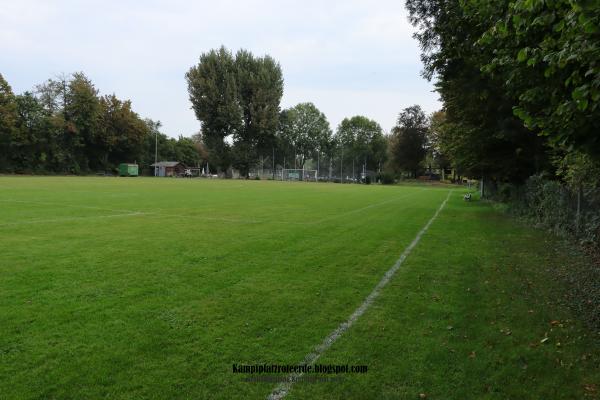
x,y
298,175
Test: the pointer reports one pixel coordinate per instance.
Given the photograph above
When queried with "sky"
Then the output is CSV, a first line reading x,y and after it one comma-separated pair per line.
x,y
347,57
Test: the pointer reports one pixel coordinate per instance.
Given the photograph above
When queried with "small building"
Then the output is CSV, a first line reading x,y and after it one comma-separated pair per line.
x,y
128,169
168,168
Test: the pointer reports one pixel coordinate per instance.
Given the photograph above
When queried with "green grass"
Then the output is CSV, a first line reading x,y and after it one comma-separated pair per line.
x,y
152,288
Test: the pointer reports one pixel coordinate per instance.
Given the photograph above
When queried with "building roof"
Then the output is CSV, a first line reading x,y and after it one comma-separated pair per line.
x,y
166,164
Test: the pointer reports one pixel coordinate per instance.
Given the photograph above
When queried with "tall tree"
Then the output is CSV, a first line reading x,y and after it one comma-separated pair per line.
x,y
305,130
487,139
409,138
122,133
260,86
35,147
213,92
8,121
83,113
362,141
547,53
435,142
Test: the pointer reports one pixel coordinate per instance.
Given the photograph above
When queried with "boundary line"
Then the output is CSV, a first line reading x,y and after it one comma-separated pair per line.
x,y
284,388
84,217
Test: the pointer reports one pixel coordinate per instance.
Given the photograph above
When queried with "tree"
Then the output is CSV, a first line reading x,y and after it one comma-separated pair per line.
x,y
484,136
409,140
435,142
362,142
122,133
35,146
260,87
547,53
236,97
66,127
83,113
213,92
8,120
305,131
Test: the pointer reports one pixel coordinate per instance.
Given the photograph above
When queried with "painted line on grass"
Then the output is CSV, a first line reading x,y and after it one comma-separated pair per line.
x,y
284,388
49,221
45,203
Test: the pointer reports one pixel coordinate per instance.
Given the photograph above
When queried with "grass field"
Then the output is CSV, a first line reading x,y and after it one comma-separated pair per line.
x,y
131,288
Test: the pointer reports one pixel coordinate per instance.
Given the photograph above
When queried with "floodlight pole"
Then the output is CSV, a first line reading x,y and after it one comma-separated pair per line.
x,y
155,152
318,154
342,166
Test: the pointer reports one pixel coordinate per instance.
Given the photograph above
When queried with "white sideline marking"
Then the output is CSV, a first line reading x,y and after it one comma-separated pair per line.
x,y
45,203
46,221
283,388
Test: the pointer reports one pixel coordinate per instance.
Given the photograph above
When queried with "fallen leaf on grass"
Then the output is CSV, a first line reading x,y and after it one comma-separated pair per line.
x,y
590,387
472,355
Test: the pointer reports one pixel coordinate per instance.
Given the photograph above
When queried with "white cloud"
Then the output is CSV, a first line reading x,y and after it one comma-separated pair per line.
x,y
348,57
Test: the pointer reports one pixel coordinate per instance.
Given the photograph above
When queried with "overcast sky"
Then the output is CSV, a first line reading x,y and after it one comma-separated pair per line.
x,y
347,57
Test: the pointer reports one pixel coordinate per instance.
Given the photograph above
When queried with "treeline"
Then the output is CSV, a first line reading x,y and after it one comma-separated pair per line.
x,y
65,126
520,85
236,98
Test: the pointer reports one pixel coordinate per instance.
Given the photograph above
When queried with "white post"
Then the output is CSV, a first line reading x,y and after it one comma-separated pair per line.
x,y
481,189
156,153
342,166
318,154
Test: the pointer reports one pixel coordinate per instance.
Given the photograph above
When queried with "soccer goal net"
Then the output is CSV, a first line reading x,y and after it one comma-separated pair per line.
x,y
298,175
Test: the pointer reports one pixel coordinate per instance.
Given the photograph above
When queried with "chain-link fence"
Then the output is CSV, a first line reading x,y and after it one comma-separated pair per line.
x,y
329,169
567,211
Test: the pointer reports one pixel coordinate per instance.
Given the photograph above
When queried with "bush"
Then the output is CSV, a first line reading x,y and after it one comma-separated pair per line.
x,y
386,178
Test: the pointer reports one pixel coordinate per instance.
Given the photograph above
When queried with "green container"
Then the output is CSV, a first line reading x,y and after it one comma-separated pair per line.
x,y
128,170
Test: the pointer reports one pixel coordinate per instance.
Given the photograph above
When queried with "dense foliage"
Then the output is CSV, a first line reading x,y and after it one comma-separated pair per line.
x,y
65,126
520,84
361,141
303,132
408,141
236,97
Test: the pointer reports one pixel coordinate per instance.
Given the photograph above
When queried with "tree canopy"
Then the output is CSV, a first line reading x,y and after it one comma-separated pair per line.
x,y
409,139
236,97
303,131
66,126
519,81
362,140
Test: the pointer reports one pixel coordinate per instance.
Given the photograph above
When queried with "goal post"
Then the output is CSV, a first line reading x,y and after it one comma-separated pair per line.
x,y
309,175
